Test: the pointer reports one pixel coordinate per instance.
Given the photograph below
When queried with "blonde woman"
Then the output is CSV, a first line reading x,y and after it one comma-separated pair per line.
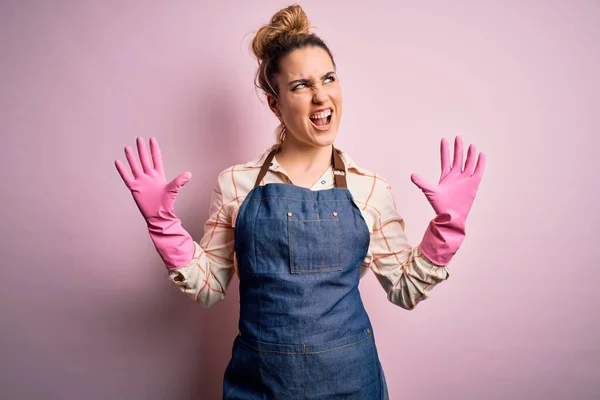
x,y
300,225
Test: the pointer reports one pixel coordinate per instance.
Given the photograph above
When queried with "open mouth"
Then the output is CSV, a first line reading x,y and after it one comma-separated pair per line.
x,y
321,119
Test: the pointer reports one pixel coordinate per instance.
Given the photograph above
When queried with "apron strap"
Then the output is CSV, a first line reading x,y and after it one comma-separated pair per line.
x,y
265,167
339,169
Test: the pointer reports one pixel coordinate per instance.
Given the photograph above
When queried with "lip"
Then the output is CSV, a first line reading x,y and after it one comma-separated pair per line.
x,y
326,127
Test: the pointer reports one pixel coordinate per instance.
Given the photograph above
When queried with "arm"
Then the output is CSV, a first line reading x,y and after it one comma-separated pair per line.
x,y
202,270
408,274
403,271
206,277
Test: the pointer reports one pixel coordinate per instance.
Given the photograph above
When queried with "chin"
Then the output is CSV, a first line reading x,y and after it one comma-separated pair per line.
x,y
315,138
323,139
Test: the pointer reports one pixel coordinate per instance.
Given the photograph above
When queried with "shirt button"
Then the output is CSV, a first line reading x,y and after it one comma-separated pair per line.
x,y
289,213
323,182
335,213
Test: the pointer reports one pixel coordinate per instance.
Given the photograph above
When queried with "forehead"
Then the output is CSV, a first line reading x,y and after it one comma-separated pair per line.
x,y
307,62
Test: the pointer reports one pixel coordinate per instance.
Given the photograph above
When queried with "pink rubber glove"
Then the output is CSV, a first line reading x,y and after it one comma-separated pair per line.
x,y
155,199
451,200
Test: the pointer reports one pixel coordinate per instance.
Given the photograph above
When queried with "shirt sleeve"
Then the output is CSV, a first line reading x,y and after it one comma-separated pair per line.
x,y
205,279
403,271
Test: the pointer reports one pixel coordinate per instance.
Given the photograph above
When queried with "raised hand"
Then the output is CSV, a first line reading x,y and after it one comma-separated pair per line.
x,y
451,198
155,199
456,190
151,192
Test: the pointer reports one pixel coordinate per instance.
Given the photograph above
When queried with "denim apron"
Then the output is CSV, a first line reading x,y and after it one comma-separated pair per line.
x,y
303,330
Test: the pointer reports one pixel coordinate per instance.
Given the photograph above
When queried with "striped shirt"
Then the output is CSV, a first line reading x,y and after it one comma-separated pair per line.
x,y
405,274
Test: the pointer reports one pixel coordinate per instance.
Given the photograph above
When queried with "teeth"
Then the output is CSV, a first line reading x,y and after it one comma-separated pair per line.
x,y
322,114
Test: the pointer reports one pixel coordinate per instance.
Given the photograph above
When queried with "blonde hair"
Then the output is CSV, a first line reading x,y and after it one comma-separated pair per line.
x,y
288,30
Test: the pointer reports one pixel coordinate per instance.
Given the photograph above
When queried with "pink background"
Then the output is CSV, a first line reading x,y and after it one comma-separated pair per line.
x,y
87,311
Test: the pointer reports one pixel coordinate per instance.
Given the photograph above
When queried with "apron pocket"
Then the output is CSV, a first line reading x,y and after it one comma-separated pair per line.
x,y
345,371
315,244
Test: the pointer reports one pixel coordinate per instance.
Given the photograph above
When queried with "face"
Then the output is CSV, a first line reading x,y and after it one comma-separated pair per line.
x,y
310,98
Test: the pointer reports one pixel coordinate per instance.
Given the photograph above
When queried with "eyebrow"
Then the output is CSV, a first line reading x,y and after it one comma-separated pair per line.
x,y
304,80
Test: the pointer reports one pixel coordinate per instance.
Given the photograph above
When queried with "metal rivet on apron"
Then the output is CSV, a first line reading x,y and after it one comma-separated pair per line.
x,y
368,331
289,213
335,213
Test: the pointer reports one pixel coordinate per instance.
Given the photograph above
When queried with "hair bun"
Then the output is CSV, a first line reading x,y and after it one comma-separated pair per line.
x,y
289,21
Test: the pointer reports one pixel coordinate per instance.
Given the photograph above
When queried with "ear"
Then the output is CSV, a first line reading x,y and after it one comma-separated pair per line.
x,y
272,100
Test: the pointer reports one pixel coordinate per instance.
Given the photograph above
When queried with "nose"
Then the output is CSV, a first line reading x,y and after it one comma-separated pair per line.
x,y
320,95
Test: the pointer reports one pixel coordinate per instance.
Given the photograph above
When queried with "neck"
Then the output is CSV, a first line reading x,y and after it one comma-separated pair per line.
x,y
302,158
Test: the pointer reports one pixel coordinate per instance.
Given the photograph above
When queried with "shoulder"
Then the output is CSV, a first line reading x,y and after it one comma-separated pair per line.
x,y
370,190
235,181
364,183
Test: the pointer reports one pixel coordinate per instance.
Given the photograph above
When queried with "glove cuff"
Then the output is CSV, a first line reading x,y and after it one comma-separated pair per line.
x,y
442,239
173,243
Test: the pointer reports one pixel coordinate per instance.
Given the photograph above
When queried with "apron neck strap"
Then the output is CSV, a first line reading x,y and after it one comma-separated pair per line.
x,y
339,169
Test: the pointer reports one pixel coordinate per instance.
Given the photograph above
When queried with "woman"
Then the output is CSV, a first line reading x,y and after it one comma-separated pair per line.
x,y
300,225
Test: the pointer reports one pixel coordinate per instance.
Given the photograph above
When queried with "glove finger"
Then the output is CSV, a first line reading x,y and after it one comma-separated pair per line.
x,y
478,174
445,158
157,156
470,163
133,164
143,153
125,175
458,154
421,183
176,184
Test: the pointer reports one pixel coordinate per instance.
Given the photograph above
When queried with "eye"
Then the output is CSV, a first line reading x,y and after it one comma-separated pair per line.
x,y
330,78
298,86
